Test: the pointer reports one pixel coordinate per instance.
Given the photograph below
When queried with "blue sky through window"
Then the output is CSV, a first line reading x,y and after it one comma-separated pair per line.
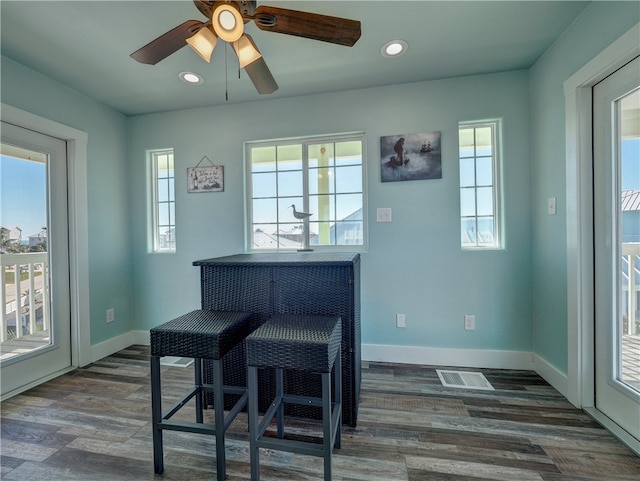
x,y
23,195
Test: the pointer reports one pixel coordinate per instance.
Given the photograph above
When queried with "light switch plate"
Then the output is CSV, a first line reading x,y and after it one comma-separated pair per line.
x,y
383,214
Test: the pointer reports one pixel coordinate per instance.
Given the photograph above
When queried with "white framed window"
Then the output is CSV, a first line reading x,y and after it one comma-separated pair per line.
x,y
480,211
163,201
323,176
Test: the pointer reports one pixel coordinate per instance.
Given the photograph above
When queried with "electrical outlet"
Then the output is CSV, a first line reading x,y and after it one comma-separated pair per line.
x,y
551,206
111,315
401,320
469,322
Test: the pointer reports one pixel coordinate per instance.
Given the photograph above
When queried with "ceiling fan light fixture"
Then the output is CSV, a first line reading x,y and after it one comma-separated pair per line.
x,y
227,22
246,50
394,48
203,43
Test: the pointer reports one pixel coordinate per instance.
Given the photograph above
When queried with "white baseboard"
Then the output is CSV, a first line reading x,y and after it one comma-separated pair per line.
x,y
110,346
549,373
478,358
140,338
118,343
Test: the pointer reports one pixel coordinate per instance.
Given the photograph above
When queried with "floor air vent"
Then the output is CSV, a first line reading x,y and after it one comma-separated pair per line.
x,y
464,380
176,361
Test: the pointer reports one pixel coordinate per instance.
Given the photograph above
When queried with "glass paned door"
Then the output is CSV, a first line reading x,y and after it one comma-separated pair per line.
x,y
35,335
617,246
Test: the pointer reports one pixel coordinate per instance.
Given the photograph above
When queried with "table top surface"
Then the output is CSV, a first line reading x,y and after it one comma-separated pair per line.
x,y
291,258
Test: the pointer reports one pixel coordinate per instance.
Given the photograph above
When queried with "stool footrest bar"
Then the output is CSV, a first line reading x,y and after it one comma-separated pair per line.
x,y
292,446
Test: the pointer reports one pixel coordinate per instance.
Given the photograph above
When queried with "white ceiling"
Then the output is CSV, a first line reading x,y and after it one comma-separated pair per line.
x,y
86,45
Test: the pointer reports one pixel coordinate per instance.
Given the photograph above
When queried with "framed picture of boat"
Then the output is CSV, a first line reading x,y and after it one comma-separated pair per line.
x,y
410,157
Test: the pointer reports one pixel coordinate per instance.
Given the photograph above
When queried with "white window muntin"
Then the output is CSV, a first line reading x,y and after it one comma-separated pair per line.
x,y
291,172
162,183
480,184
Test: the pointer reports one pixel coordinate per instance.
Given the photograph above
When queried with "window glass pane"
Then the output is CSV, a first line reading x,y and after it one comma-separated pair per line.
x,y
290,183
485,200
289,157
468,231
323,233
485,230
172,213
264,185
265,236
264,211
349,153
322,207
321,181
172,190
467,177
349,179
163,213
321,155
349,206
467,202
349,232
263,159
163,166
163,190
285,211
466,142
484,171
484,141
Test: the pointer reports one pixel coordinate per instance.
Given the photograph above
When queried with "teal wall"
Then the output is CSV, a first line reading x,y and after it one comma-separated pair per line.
x,y
107,185
598,26
414,265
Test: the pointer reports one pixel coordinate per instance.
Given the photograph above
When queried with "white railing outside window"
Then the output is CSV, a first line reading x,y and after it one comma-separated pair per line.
x,y
630,288
24,293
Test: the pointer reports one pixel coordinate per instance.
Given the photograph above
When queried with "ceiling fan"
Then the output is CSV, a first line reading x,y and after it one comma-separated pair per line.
x,y
226,19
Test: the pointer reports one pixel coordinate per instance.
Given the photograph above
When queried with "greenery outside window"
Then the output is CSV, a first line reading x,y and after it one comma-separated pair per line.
x,y
323,176
479,157
163,211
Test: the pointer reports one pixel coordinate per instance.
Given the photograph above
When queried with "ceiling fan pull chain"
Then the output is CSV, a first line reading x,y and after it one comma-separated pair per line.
x,y
226,76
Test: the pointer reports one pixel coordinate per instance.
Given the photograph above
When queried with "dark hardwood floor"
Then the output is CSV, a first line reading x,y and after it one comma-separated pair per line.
x,y
94,424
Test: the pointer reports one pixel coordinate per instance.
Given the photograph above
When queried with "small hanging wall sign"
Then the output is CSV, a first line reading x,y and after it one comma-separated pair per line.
x,y
207,178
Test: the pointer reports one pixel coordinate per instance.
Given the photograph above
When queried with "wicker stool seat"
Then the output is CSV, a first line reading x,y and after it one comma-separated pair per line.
x,y
201,335
310,344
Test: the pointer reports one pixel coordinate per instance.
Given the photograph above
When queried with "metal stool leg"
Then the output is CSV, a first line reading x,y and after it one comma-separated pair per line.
x,y
254,451
218,399
156,414
327,427
279,396
197,370
338,399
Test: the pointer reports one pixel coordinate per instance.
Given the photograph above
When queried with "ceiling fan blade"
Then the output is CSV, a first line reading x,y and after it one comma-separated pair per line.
x,y
261,77
341,31
166,44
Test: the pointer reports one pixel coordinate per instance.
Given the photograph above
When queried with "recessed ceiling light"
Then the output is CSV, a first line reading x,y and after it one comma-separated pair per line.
x,y
191,78
394,48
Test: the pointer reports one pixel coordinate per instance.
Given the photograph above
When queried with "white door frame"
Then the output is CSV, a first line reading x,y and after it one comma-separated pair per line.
x,y
78,225
579,213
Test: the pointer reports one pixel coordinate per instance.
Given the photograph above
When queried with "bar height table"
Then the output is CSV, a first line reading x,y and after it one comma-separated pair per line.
x,y
293,283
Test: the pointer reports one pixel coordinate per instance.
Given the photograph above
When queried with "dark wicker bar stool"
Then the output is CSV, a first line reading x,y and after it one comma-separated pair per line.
x,y
309,344
200,334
